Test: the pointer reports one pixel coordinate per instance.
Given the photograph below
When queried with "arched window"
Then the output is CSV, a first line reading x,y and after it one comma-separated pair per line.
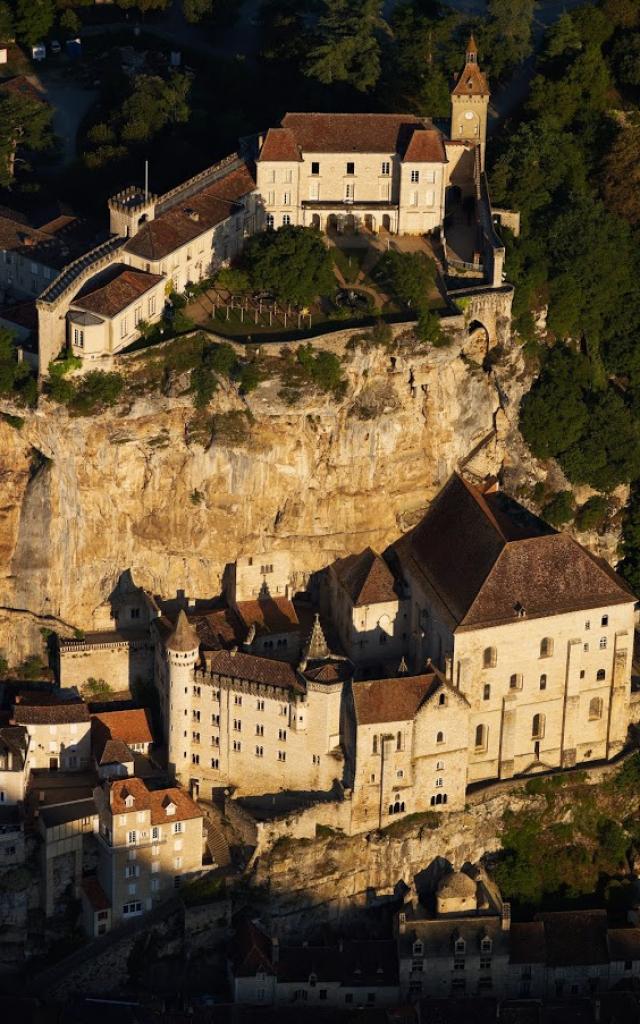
x,y
443,700
515,681
438,799
595,708
440,737
543,681
537,727
374,745
444,798
546,647
601,674
489,657
481,737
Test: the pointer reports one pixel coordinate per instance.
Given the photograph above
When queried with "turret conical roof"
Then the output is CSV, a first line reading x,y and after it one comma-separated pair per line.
x,y
184,637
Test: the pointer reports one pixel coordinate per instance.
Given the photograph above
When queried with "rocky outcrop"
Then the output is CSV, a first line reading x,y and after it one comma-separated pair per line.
x,y
83,499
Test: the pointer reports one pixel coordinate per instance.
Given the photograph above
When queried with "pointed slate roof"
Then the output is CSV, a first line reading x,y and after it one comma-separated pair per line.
x,y
184,637
367,578
483,559
471,82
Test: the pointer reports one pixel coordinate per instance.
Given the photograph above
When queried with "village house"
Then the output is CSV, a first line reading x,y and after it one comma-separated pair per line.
x,y
14,772
150,842
117,739
533,629
59,732
351,973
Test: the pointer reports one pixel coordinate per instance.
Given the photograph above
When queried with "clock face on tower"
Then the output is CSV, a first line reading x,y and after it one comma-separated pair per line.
x,y
469,115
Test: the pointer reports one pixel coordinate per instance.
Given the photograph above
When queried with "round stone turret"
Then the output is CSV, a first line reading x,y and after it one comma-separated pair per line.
x,y
182,654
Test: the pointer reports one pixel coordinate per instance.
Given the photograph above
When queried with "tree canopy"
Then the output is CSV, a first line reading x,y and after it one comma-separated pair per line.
x,y
293,263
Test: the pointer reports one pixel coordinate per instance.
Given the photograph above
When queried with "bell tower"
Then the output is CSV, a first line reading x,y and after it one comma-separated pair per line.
x,y
470,103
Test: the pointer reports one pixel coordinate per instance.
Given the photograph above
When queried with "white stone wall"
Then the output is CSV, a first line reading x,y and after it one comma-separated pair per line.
x,y
119,664
68,743
251,575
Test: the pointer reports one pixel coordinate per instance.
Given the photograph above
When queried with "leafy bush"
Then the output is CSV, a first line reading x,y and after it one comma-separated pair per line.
x,y
293,263
96,688
235,281
593,513
16,379
249,377
31,668
560,509
17,422
95,391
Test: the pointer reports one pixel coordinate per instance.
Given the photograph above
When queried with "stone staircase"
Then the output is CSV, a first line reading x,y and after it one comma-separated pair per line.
x,y
217,845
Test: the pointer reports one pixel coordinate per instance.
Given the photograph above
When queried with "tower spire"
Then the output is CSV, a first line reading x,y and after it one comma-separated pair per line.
x,y
472,50
316,647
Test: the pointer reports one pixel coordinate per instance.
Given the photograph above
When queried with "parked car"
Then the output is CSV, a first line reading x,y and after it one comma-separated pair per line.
x,y
55,47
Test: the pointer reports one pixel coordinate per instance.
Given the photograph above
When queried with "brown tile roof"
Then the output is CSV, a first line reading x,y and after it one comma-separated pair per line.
x,y
250,950
23,314
21,86
154,800
471,82
111,298
132,725
109,728
269,615
366,578
392,700
575,937
189,219
353,133
50,714
426,146
624,943
53,244
329,671
280,144
95,894
479,556
116,752
252,669
184,637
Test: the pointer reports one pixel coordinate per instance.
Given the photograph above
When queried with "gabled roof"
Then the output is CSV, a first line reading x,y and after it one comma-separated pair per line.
x,y
155,801
251,669
116,752
426,146
95,893
117,294
396,700
130,726
268,615
280,144
485,560
189,219
250,950
366,578
59,713
353,133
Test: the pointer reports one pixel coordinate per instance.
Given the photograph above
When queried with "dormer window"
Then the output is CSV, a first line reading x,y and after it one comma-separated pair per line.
x,y
460,947
418,948
485,945
128,800
170,808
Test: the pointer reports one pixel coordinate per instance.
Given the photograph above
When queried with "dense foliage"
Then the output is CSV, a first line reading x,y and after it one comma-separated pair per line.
x,y
16,379
293,263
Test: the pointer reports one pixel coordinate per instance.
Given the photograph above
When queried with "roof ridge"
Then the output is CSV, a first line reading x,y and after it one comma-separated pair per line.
x,y
479,498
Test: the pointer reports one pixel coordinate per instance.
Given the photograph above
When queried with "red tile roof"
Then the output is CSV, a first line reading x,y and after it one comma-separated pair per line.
x,y
131,726
270,615
117,294
366,578
115,752
353,133
193,216
426,146
60,713
154,800
21,86
280,144
392,700
483,557
251,669
95,894
472,82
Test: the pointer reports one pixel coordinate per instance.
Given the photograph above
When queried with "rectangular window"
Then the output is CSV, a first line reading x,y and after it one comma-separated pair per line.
x,y
486,691
237,746
259,730
78,337
315,167
259,751
413,199
431,177
286,199
431,198
177,863
131,838
260,705
314,190
271,198
137,315
177,826
282,755
215,763
155,832
151,305
385,168
237,725
215,741
123,327
215,719
282,735
349,191
237,700
351,167
415,177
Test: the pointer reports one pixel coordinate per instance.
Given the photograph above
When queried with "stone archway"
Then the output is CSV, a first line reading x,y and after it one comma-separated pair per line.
x,y
332,224
370,222
386,222
478,341
315,221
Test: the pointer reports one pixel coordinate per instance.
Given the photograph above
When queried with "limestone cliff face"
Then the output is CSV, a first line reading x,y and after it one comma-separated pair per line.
x,y
82,499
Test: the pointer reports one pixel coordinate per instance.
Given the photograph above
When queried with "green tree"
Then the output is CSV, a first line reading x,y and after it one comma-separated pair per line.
x,y
70,23
34,20
621,172
144,5
293,263
608,453
348,49
408,276
559,510
509,32
553,415
6,22
16,378
23,122
196,10
154,104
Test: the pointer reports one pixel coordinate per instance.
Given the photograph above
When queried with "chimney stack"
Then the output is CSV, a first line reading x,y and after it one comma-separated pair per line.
x,y
506,917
